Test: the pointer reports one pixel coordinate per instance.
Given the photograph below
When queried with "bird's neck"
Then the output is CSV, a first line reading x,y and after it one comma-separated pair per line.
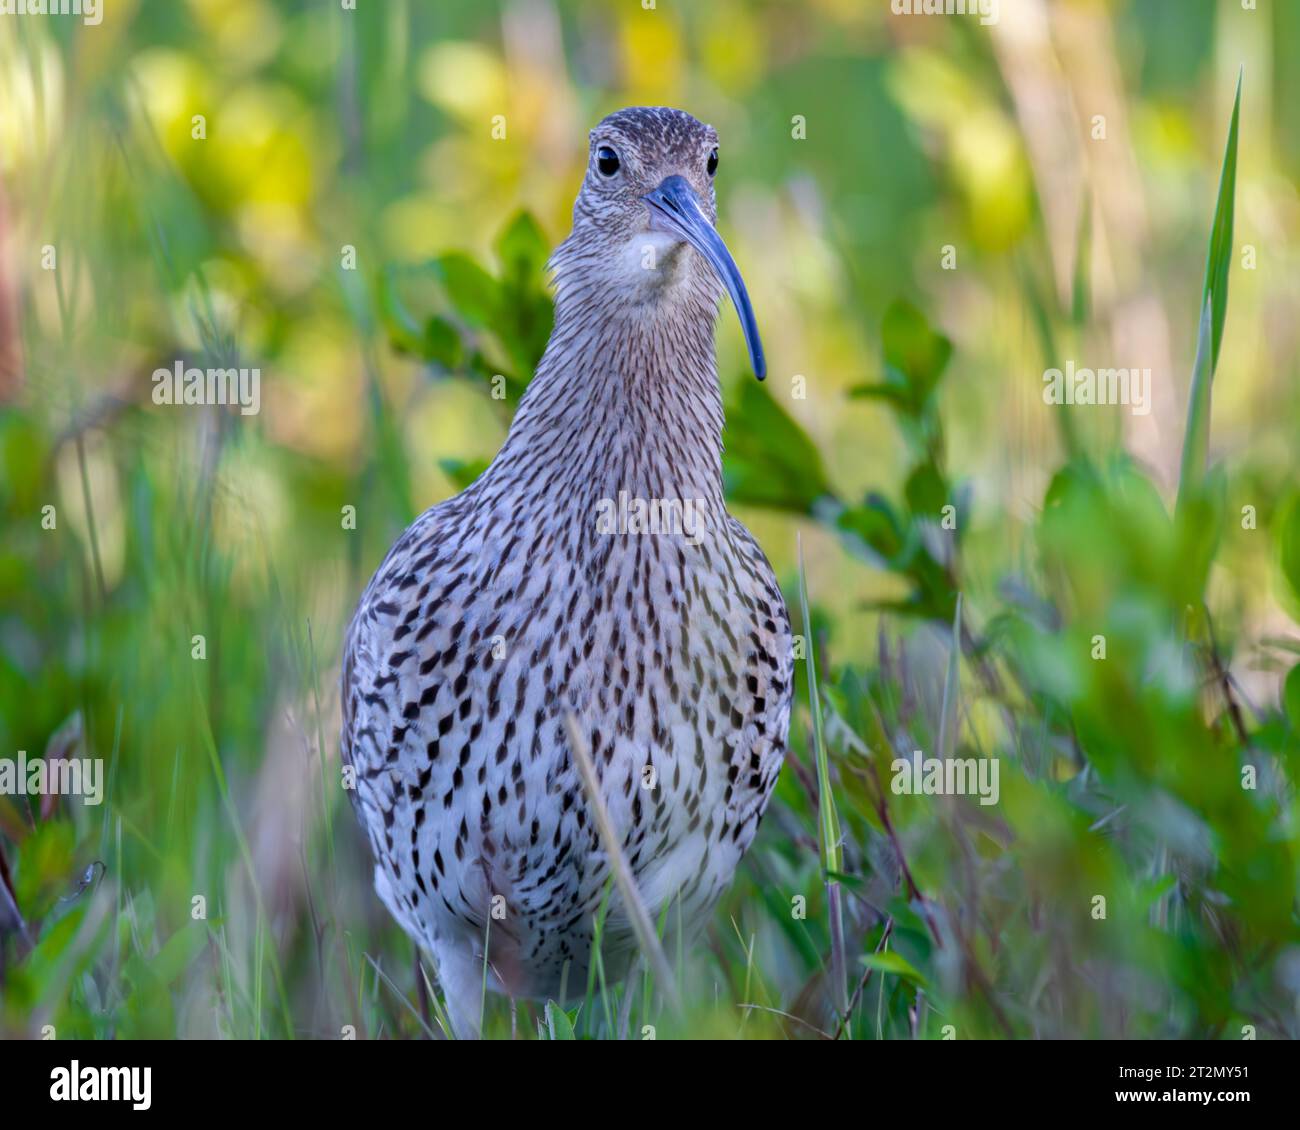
x,y
625,399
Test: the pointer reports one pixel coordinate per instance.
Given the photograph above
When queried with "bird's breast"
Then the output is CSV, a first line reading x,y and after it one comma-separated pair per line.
x,y
669,649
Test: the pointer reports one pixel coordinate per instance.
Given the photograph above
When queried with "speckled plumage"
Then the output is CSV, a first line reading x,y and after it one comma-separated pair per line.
x,y
504,608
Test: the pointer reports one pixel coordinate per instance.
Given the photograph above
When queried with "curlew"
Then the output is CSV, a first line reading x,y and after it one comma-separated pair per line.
x,y
590,582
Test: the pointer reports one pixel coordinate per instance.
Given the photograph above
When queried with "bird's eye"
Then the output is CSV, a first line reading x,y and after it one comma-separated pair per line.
x,y
606,161
713,162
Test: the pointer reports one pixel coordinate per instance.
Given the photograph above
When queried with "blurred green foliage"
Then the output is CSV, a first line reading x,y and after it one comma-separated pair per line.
x,y
1130,664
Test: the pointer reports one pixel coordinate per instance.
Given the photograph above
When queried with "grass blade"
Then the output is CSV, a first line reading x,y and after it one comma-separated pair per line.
x,y
828,818
1214,311
1219,259
1196,440
633,906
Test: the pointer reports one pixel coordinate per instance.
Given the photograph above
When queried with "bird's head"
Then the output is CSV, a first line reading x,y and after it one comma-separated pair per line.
x,y
643,223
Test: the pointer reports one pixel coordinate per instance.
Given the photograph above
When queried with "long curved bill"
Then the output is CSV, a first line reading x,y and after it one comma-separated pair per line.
x,y
674,209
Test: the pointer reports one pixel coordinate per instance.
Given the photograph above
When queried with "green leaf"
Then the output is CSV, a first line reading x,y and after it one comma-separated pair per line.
x,y
1219,259
926,491
522,248
525,327
875,523
527,313
914,350
475,295
1214,309
442,343
769,460
891,962
1196,440
893,393
558,1022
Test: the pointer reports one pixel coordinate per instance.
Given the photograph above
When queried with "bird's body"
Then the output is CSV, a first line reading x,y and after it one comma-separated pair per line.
x,y
591,573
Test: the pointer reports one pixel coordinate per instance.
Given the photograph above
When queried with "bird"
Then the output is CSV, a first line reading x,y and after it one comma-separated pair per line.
x,y
588,587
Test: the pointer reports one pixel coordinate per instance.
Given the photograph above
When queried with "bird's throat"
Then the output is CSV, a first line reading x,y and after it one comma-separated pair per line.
x,y
626,405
